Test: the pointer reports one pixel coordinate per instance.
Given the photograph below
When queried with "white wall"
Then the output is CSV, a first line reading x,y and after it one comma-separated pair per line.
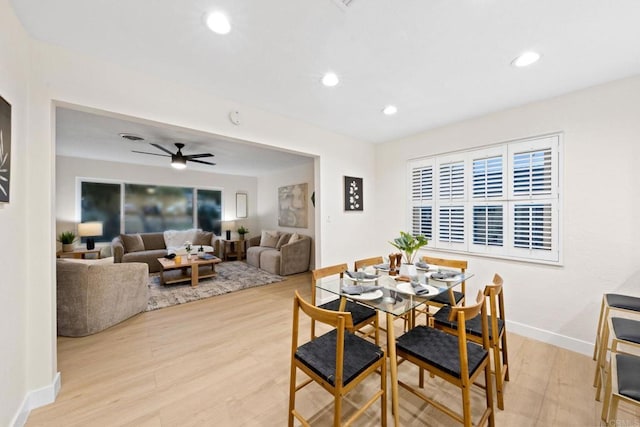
x,y
600,198
60,75
268,198
70,168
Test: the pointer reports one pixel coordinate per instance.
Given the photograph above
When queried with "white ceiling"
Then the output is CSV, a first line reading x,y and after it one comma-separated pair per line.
x,y
439,61
87,134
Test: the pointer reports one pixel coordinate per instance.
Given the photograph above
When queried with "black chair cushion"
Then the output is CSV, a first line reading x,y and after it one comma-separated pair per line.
x,y
320,356
629,375
623,301
473,326
443,298
359,313
439,349
626,329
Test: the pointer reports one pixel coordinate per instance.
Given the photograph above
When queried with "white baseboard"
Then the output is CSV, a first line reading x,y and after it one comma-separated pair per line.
x,y
563,341
35,399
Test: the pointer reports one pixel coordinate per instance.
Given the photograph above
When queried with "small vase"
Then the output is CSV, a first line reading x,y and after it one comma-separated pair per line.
x,y
408,270
241,236
67,247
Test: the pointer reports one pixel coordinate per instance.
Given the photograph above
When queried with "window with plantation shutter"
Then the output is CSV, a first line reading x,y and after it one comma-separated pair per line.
x,y
501,200
421,177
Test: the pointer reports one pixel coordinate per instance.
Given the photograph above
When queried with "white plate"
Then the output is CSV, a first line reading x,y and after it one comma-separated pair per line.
x,y
367,295
360,280
406,288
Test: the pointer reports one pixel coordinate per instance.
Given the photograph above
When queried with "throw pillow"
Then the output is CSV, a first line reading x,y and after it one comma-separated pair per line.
x,y
132,242
283,240
203,238
294,237
269,239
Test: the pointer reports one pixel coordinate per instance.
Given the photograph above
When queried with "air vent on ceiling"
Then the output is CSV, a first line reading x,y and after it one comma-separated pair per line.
x,y
343,4
131,137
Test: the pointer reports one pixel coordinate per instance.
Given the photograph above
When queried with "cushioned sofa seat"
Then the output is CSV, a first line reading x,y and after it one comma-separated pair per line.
x,y
277,253
148,247
92,296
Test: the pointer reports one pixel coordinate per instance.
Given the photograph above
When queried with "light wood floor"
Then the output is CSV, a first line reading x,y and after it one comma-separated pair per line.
x,y
224,361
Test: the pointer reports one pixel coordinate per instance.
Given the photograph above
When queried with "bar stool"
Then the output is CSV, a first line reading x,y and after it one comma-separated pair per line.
x,y
623,384
619,302
623,331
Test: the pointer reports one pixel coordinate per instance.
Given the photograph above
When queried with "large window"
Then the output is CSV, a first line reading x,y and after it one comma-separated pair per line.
x,y
501,200
138,208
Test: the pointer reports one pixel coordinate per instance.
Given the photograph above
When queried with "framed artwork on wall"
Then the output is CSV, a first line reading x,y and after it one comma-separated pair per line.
x,y
5,150
353,194
241,205
292,206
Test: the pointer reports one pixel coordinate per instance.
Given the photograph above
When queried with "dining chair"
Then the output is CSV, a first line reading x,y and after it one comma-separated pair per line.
x,y
624,332
367,262
452,358
497,340
362,316
623,385
338,361
618,302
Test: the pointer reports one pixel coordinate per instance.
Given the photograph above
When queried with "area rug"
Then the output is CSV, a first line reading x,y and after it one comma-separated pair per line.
x,y
232,276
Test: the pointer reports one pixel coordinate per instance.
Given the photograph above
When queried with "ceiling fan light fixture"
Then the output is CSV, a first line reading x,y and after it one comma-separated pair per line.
x,y
218,23
390,110
178,163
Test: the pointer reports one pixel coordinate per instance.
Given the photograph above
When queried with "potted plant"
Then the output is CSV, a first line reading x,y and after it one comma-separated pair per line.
x,y
67,238
409,245
242,231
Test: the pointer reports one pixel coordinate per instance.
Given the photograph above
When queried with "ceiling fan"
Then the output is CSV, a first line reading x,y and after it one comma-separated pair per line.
x,y
179,160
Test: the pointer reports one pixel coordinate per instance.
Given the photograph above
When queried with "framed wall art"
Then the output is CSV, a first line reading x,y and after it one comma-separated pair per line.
x,y
292,206
353,194
5,150
241,205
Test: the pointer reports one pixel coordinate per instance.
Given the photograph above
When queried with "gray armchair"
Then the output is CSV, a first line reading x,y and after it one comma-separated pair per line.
x,y
284,258
92,296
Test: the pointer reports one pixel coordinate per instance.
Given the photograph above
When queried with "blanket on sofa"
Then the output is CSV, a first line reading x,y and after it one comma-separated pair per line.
x,y
174,239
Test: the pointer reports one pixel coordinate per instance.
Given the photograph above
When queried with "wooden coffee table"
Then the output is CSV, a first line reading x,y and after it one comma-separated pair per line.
x,y
192,269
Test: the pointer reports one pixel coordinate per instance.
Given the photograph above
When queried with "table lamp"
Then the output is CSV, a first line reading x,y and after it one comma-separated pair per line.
x,y
90,230
230,226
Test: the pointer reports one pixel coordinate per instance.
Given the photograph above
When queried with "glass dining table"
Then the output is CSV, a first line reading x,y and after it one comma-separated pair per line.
x,y
395,298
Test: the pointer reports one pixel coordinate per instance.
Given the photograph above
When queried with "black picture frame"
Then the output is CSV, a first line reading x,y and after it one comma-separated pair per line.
x,y
353,194
5,151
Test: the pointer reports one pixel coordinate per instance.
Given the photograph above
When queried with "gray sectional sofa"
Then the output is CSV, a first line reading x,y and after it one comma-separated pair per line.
x,y
148,247
277,253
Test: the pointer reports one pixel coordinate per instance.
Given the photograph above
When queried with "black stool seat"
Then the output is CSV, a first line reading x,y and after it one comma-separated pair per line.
x,y
473,326
359,313
320,356
626,329
623,301
443,298
628,375
439,349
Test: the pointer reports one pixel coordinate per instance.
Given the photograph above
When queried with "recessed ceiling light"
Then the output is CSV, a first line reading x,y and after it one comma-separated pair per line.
x,y
218,23
526,59
390,110
330,79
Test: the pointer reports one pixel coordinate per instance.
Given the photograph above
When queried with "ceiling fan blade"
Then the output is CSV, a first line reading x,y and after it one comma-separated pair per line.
x,y
201,161
195,156
160,147
151,154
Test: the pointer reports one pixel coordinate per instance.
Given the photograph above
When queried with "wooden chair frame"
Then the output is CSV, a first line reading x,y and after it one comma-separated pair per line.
x,y
605,310
612,394
460,314
601,366
367,262
497,341
342,322
339,270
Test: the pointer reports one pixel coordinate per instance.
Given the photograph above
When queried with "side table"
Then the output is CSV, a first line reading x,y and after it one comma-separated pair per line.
x,y
233,249
78,253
